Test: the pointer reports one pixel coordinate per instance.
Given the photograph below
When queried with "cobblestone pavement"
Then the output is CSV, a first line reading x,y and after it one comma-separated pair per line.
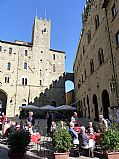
x,y
42,151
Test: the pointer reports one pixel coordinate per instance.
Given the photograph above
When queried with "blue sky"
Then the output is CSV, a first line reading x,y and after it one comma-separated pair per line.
x,y
17,18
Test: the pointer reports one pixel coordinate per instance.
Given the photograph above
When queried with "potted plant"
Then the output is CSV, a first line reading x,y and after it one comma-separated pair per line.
x,y
109,142
18,141
62,142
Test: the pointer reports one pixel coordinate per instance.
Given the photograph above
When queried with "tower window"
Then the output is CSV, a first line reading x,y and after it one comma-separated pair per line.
x,y
26,52
0,48
6,79
100,56
117,39
25,65
53,56
89,36
97,22
10,50
40,82
114,10
24,81
91,66
54,69
8,66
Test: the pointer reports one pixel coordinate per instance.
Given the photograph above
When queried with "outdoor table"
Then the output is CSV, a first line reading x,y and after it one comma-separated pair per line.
x,y
95,137
77,129
35,138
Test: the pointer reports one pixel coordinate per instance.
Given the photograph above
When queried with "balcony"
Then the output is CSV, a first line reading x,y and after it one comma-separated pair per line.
x,y
105,3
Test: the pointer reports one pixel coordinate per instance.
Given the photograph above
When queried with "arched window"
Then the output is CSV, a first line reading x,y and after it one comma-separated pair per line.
x,y
26,52
24,81
91,66
97,22
53,56
8,66
100,56
25,65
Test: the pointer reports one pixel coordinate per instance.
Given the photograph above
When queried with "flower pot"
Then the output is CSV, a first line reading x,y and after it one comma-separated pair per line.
x,y
111,155
64,155
13,155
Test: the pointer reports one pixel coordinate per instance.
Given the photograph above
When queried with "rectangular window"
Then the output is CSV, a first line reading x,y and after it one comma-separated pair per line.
x,y
54,68
0,48
117,39
10,50
114,10
26,52
8,66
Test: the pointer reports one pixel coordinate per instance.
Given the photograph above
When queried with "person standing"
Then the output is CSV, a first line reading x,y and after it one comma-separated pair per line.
x,y
103,124
31,118
75,119
3,119
49,118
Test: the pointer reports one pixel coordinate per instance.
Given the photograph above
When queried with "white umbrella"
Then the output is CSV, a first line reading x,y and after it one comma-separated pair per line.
x,y
48,107
65,107
29,107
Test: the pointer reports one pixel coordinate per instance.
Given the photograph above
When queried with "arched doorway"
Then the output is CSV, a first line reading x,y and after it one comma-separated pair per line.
x,y
105,103
95,102
3,101
88,107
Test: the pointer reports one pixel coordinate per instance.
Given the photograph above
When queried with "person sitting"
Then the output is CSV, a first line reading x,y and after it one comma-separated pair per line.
x,y
73,134
83,138
5,128
30,128
85,143
75,119
90,129
103,124
53,126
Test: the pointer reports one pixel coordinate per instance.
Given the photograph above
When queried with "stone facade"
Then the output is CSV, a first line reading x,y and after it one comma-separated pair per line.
x,y
70,97
96,72
28,69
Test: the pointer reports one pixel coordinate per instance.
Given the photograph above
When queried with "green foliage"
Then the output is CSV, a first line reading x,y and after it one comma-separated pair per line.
x,y
110,140
18,141
62,140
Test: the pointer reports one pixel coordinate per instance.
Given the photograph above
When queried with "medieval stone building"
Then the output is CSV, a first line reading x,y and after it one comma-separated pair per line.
x,y
96,66
28,69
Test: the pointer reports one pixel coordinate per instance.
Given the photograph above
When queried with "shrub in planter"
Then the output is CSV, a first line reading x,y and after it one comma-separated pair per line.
x,y
109,141
18,142
62,141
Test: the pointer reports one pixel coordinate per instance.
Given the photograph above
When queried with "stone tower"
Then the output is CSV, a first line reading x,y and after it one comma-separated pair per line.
x,y
28,69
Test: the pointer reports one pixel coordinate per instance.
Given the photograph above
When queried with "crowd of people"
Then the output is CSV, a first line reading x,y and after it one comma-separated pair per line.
x,y
8,125
81,135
